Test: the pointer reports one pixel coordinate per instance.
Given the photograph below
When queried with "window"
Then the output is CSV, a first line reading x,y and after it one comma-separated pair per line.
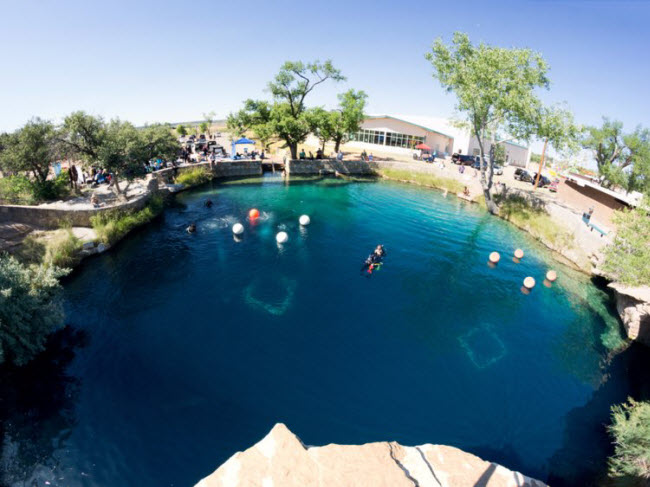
x,y
391,139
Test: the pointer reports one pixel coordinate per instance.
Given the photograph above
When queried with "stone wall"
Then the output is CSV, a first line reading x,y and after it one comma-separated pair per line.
x,y
45,217
220,169
327,166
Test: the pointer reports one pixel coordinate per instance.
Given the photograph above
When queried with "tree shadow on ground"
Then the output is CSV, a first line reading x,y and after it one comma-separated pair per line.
x,y
37,406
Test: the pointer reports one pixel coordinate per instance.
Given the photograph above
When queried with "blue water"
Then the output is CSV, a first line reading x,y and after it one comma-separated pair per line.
x,y
183,349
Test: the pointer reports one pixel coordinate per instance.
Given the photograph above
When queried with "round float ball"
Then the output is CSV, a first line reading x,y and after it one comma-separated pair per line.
x,y
304,220
494,257
529,283
519,253
254,213
282,237
551,276
238,229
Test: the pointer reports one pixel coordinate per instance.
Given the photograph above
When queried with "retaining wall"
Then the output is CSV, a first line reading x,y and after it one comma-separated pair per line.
x,y
220,169
327,166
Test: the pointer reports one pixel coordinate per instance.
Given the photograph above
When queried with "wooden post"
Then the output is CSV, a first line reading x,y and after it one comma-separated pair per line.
x,y
541,164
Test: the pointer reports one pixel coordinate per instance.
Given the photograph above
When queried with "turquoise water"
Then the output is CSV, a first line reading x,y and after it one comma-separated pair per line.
x,y
183,349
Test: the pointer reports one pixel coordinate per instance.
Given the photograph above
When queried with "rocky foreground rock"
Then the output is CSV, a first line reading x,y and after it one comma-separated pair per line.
x,y
281,460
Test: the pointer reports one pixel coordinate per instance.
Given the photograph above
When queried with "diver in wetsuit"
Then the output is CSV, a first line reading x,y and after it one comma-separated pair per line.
x,y
208,203
191,228
374,259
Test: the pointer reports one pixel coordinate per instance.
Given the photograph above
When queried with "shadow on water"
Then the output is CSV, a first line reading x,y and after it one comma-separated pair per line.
x,y
586,425
37,404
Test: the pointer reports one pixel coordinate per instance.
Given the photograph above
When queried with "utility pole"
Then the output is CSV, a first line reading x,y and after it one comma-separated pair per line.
x,y
541,164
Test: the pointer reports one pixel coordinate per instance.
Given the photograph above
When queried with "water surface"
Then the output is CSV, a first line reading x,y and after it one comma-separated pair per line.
x,y
188,348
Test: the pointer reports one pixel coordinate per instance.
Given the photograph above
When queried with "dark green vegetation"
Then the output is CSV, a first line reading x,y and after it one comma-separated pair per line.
x,y
112,226
194,176
630,430
30,308
289,120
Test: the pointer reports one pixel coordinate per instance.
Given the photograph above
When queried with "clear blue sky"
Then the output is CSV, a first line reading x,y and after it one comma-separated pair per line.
x,y
155,61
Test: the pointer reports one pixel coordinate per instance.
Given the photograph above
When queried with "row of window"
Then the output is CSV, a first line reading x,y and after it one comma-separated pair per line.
x,y
388,138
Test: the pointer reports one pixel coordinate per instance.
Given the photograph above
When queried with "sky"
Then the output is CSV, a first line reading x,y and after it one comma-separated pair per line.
x,y
163,61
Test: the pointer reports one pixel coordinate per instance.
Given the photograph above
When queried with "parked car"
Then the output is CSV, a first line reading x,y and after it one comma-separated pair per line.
x,y
497,170
523,175
463,159
543,181
554,184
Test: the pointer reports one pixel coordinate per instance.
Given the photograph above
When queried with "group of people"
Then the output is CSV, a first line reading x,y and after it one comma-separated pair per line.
x,y
319,155
374,260
365,157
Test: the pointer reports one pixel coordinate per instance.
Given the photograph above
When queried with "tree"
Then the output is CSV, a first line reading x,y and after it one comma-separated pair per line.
x,y
630,464
349,117
181,130
203,127
31,308
289,88
122,152
83,135
494,87
31,148
623,159
555,125
157,141
320,124
627,257
209,120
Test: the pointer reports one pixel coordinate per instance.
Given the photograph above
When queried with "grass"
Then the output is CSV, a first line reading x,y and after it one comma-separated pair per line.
x,y
423,179
194,176
112,226
58,248
533,218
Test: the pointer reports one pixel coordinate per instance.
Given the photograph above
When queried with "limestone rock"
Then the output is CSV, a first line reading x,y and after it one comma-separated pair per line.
x,y
633,306
281,460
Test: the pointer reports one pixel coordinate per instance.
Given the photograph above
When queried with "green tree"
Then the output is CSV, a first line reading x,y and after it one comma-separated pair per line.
x,y
157,141
181,130
209,120
31,148
83,134
290,87
121,153
499,154
349,116
494,88
30,309
627,257
623,159
203,127
321,124
630,429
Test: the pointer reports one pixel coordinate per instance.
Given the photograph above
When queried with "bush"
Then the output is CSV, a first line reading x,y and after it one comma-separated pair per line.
x,y
627,258
194,176
17,190
52,189
424,179
59,248
30,308
630,429
112,226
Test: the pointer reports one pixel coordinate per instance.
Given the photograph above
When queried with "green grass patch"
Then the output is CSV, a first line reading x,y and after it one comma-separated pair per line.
x,y
112,226
534,219
423,179
58,248
194,176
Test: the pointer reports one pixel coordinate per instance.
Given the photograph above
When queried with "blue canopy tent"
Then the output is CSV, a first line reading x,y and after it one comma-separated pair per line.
x,y
243,140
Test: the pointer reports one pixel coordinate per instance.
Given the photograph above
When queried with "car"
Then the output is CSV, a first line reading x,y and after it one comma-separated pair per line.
x,y
543,181
523,175
463,159
496,169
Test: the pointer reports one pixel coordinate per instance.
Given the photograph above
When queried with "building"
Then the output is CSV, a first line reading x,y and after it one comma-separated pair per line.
x,y
400,134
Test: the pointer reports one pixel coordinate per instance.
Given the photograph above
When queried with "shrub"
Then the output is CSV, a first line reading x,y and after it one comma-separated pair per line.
x,y
52,189
30,308
627,258
424,179
630,429
59,248
112,226
194,176
17,190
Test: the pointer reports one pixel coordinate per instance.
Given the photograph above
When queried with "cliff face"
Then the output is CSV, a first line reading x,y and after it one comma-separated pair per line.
x,y
281,460
633,305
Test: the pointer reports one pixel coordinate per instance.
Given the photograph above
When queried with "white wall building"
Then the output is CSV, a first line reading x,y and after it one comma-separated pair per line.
x,y
401,133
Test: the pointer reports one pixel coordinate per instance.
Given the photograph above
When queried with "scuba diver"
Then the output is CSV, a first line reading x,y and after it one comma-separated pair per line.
x,y
374,260
191,228
208,203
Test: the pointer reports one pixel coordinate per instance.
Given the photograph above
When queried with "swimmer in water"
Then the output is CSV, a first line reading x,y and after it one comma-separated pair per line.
x,y
191,228
208,203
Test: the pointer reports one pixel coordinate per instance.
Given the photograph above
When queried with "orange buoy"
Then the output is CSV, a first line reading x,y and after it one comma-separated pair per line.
x,y
551,276
529,283
494,257
254,213
519,254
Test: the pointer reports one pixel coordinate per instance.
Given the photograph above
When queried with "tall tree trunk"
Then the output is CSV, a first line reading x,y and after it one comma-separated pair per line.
x,y
486,179
116,189
294,151
541,164
337,144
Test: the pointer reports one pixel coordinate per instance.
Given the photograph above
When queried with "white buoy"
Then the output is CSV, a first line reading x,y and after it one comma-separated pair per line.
x,y
529,282
238,229
282,237
304,220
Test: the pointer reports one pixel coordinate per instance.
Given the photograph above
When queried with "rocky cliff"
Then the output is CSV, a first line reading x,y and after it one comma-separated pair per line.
x,y
633,305
281,460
